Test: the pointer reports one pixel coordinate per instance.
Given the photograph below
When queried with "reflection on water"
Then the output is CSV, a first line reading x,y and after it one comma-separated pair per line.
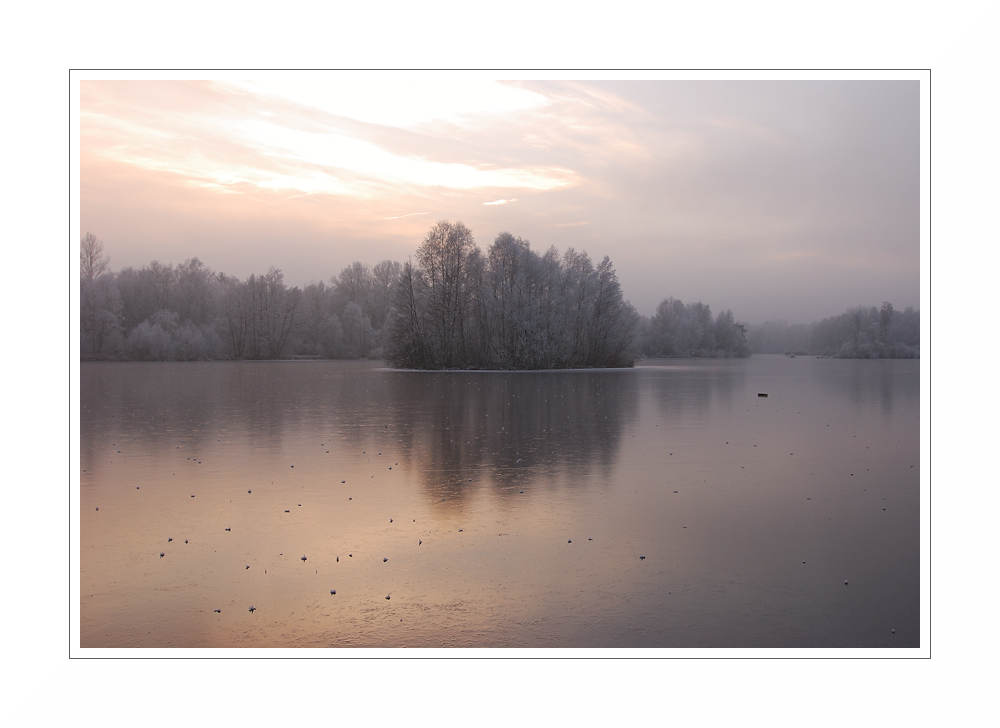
x,y
500,508
511,430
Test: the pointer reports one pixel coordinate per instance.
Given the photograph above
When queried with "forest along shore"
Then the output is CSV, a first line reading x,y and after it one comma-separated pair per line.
x,y
507,308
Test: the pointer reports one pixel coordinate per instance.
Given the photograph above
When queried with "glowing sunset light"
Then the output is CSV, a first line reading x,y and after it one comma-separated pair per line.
x,y
500,202
392,99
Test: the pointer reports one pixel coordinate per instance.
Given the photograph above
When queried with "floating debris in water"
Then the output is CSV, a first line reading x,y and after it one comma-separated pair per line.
x,y
253,609
384,560
169,540
218,611
333,591
386,596
303,558
228,529
641,558
161,554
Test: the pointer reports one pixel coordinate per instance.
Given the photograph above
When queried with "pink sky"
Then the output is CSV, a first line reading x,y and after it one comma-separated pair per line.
x,y
790,199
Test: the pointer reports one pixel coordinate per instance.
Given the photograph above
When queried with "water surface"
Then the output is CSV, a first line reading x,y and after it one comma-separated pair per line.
x,y
500,509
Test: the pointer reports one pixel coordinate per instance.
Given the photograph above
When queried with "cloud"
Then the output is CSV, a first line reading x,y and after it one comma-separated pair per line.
x,y
397,217
500,202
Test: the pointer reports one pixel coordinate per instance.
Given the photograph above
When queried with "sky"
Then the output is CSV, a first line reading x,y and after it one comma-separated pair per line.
x,y
778,199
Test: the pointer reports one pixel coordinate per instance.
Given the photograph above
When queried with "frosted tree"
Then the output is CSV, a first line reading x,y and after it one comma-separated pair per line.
x,y
408,345
100,316
93,261
384,275
320,331
444,258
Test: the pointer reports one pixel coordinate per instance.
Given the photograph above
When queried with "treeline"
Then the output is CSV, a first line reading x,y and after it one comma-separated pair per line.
x,y
456,307
189,312
862,332
507,308
689,330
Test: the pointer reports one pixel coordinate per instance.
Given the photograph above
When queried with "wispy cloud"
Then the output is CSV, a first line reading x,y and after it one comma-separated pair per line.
x,y
500,202
397,217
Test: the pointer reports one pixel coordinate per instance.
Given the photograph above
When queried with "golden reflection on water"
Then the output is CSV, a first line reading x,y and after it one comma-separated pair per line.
x,y
520,505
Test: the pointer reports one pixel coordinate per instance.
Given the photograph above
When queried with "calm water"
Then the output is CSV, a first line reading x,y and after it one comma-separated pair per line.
x,y
500,509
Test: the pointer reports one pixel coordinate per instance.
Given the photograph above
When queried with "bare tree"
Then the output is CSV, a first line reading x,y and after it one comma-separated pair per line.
x,y
444,256
93,261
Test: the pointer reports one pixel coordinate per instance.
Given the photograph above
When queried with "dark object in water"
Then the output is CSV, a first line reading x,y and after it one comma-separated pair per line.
x,y
218,611
386,596
333,591
384,560
253,609
161,553
303,558
641,558
761,394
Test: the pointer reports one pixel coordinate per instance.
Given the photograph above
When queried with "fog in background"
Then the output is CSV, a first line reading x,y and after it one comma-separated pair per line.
x,y
786,200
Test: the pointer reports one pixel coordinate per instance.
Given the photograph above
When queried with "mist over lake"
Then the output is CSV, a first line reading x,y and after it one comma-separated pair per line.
x,y
663,506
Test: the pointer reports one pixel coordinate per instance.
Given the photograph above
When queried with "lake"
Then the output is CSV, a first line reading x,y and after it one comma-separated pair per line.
x,y
663,506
